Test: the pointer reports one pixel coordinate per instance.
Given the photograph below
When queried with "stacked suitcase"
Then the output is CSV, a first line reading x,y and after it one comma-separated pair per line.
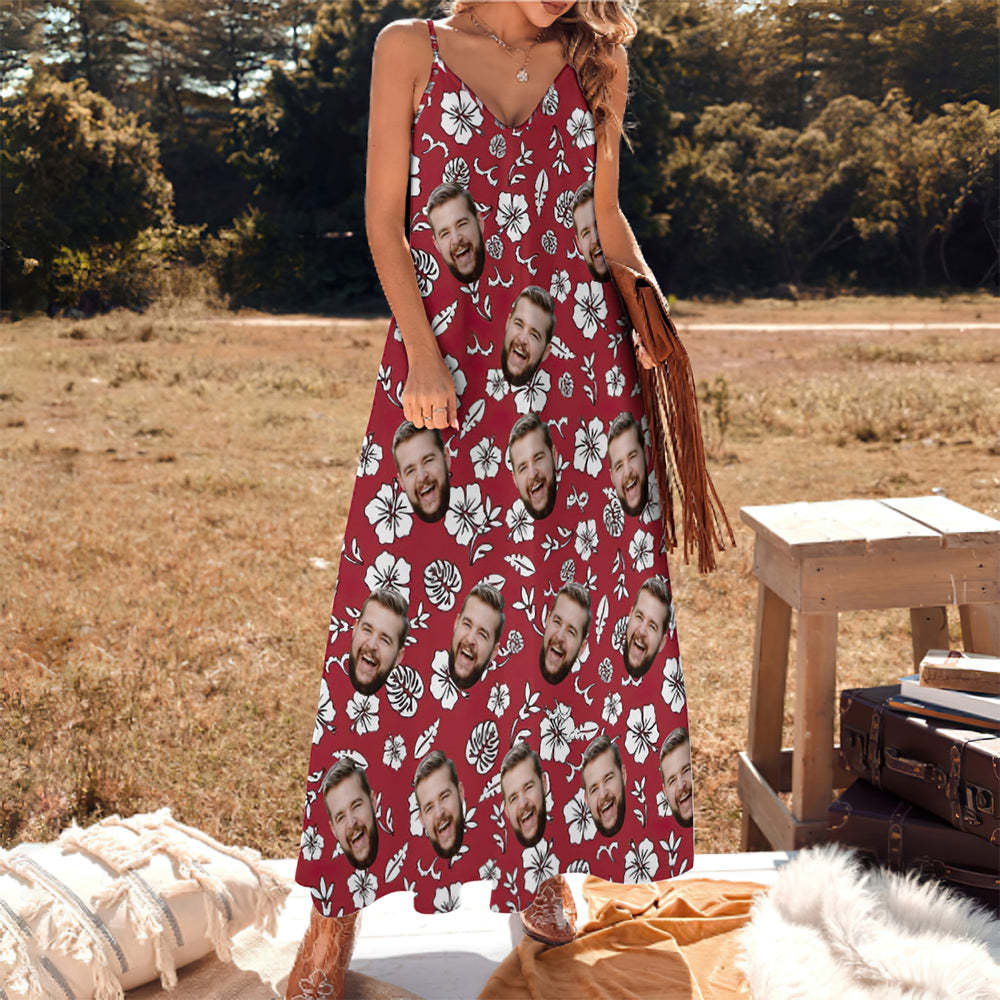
x,y
928,794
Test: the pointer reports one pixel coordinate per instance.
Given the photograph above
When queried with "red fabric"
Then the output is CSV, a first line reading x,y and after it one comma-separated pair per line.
x,y
523,181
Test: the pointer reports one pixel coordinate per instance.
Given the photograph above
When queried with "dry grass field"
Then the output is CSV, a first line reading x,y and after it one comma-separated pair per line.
x,y
173,491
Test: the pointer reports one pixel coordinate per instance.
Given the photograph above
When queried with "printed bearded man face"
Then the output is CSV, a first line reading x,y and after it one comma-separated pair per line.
x,y
675,769
348,800
423,469
439,801
647,629
474,639
565,631
523,790
527,335
585,229
457,233
627,462
604,785
533,465
377,641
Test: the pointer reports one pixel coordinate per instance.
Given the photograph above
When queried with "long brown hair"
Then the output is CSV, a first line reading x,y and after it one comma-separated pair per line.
x,y
588,31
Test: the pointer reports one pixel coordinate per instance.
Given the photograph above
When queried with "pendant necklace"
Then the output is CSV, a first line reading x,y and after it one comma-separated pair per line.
x,y
522,73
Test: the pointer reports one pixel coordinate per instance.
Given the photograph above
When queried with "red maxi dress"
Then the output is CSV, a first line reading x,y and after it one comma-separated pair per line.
x,y
503,586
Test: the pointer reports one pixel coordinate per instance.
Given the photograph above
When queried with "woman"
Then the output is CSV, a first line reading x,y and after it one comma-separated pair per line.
x,y
502,665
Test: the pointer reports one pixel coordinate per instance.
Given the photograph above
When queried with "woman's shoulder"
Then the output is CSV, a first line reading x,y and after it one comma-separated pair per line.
x,y
404,40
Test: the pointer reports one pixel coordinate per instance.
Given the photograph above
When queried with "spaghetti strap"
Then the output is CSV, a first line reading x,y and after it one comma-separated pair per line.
x,y
434,37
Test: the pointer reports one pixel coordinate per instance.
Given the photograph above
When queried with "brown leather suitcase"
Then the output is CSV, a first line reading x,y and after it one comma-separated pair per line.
x,y
903,837
950,770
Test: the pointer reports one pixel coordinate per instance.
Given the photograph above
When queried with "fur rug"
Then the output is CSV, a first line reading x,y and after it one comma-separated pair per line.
x,y
830,929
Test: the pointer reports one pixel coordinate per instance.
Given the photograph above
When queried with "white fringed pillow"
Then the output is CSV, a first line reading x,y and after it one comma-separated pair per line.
x,y
109,907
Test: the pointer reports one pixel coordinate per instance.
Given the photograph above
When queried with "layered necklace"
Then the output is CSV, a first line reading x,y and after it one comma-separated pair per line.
x,y
522,72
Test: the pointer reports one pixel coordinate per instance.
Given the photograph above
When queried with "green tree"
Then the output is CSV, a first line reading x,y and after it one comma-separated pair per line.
x,y
75,172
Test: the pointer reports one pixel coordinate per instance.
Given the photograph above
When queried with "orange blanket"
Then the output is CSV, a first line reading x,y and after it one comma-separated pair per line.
x,y
671,940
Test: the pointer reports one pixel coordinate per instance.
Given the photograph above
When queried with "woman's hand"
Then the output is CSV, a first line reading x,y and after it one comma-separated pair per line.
x,y
429,394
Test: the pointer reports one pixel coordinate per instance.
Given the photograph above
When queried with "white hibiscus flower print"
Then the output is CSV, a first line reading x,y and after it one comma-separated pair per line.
x,y
612,708
579,821
586,538
520,523
486,458
465,517
426,269
362,886
531,397
371,455
641,863
394,752
389,513
497,385
662,806
539,864
448,897
490,871
673,684
614,518
325,713
442,582
456,171
442,686
590,310
566,385
414,174
549,242
615,381
591,445
363,711
483,746
560,285
580,127
461,116
389,571
494,247
498,147
563,209
311,845
499,700
556,733
640,549
550,102
642,732
651,512
457,375
512,215
404,689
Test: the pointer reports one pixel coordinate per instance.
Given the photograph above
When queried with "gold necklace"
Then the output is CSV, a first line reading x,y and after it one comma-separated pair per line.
x,y
522,72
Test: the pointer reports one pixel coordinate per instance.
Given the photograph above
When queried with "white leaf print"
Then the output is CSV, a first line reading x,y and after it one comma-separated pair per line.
x,y
541,189
395,865
483,746
442,582
442,320
404,689
601,617
426,269
521,563
472,416
426,740
490,788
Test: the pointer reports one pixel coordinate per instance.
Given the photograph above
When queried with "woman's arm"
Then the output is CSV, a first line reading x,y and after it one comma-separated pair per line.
x,y
429,394
617,239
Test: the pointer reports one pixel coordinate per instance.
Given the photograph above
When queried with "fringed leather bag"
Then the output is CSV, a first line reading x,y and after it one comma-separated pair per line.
x,y
671,403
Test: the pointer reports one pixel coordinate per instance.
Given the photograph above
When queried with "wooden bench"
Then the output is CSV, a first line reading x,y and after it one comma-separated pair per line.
x,y
818,559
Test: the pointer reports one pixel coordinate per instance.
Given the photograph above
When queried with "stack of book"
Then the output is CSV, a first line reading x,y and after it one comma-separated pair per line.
x,y
927,755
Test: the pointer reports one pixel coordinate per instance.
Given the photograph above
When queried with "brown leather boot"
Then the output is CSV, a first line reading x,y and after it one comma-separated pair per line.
x,y
551,917
323,957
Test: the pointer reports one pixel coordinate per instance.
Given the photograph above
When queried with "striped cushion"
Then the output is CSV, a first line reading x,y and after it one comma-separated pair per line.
x,y
110,907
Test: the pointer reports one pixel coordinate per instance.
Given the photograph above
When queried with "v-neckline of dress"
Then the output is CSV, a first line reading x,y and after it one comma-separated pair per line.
x,y
502,124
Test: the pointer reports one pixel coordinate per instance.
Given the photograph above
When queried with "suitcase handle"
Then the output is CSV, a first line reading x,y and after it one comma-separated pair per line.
x,y
960,876
913,768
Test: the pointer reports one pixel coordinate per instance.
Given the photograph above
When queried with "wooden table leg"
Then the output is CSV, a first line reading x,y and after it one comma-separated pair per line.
x,y
767,699
980,628
928,630
815,689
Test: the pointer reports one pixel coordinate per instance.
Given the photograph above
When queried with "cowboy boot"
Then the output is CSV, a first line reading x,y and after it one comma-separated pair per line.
x,y
323,957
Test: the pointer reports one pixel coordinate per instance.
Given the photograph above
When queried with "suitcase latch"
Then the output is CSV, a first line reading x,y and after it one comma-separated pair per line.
x,y
978,800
